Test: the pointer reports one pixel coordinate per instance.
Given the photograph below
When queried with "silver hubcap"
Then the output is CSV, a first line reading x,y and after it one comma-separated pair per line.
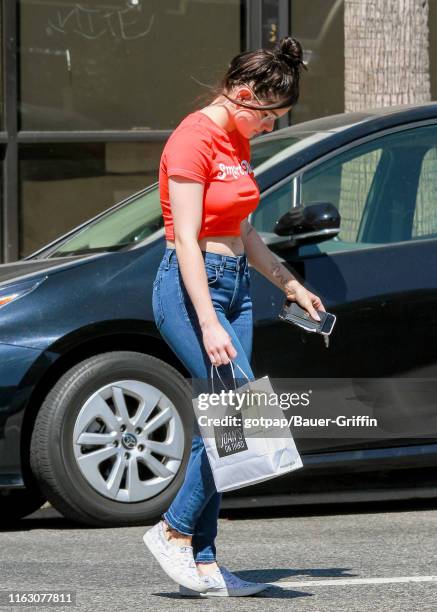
x,y
128,441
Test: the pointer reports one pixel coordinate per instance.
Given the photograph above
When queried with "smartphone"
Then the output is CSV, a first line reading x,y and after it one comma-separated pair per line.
x,y
293,313
328,324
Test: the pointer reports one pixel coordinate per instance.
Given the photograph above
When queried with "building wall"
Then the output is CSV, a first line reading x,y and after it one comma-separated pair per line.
x,y
112,65
101,84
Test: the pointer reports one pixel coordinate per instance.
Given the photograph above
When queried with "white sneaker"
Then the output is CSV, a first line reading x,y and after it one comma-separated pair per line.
x,y
176,561
223,583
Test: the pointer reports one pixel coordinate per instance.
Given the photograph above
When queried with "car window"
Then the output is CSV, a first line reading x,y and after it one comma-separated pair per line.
x,y
346,184
272,206
263,150
385,190
425,214
123,227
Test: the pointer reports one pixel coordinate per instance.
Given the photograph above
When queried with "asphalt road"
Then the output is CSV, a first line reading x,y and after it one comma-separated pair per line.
x,y
367,557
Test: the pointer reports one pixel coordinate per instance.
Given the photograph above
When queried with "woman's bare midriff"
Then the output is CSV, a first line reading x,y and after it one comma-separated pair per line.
x,y
223,245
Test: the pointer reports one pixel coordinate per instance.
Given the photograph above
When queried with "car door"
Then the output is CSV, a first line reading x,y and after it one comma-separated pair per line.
x,y
379,276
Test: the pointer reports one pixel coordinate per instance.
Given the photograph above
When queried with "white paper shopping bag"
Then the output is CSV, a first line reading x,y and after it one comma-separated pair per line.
x,y
240,449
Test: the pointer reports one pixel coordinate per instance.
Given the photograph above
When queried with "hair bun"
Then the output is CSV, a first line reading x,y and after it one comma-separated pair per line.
x,y
289,50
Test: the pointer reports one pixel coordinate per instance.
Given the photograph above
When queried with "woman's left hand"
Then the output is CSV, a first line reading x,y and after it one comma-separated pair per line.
x,y
295,292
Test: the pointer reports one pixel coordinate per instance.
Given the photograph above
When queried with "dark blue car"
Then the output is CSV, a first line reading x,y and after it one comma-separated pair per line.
x,y
95,411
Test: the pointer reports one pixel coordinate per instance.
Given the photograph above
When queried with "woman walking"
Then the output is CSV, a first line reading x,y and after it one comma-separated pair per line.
x,y
201,297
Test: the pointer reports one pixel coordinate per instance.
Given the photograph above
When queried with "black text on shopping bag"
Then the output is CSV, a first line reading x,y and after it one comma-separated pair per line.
x,y
230,439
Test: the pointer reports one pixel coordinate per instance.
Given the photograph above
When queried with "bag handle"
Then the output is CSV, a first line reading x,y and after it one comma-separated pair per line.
x,y
233,375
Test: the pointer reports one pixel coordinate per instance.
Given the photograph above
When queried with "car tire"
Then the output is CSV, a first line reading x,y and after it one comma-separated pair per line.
x,y
15,504
57,454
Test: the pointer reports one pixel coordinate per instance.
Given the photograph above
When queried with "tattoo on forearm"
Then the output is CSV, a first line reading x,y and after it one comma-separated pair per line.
x,y
277,270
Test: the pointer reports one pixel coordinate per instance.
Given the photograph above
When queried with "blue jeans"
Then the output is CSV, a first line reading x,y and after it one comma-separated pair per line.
x,y
195,509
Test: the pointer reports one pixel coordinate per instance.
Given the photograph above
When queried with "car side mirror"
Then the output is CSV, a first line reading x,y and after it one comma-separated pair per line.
x,y
309,223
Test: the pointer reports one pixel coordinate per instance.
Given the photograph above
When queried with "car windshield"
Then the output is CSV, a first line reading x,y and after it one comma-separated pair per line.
x,y
264,149
137,219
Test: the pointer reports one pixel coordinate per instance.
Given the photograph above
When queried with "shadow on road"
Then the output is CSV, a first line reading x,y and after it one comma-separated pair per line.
x,y
272,592
416,505
49,518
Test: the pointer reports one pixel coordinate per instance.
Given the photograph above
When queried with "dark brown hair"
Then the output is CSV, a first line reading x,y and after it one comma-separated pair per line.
x,y
273,74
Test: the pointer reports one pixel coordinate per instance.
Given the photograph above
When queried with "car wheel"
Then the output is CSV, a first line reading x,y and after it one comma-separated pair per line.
x,y
18,503
112,439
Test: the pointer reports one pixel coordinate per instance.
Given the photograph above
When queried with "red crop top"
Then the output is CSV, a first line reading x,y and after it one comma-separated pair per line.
x,y
201,150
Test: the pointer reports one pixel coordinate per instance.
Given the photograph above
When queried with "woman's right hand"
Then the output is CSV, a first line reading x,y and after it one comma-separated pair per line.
x,y
218,344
